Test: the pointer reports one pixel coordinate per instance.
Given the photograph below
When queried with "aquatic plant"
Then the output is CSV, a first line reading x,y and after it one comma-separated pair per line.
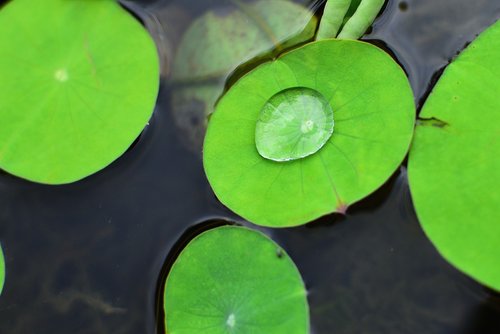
x,y
218,42
356,23
79,84
269,152
454,169
2,269
234,280
313,131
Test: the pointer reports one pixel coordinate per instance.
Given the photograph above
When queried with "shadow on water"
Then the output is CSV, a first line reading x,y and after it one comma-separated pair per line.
x,y
484,318
87,257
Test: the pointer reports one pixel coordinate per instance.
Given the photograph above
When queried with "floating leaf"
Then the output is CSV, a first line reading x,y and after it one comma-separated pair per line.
x,y
221,40
454,165
235,280
374,113
79,84
2,270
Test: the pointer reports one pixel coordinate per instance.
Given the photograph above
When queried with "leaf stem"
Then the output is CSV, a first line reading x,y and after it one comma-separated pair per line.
x,y
362,19
333,17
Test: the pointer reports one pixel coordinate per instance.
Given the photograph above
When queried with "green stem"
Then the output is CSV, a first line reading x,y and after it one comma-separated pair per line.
x,y
333,17
362,19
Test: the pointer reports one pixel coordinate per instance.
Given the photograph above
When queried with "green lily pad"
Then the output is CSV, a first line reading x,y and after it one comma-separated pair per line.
x,y
235,280
2,270
79,84
374,116
454,165
221,40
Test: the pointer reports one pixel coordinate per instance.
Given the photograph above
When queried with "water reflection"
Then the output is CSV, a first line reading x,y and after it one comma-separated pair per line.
x,y
427,34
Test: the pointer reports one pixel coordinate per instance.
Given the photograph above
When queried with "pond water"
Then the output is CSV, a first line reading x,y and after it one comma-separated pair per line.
x,y
90,257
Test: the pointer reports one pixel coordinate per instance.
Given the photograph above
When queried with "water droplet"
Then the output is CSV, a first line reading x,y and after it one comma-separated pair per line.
x,y
231,320
293,124
61,75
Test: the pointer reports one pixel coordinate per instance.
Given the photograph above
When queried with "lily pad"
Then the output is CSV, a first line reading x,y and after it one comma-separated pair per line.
x,y
221,40
79,84
235,280
374,115
2,270
454,165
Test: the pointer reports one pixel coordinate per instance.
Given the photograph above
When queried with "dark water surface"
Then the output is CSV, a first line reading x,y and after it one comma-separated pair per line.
x,y
88,257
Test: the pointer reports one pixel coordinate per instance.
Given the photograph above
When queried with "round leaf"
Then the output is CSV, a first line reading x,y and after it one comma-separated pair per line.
x,y
374,118
454,165
235,280
78,84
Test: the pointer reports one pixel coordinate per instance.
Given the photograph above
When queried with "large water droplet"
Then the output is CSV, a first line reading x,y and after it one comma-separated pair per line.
x,y
293,124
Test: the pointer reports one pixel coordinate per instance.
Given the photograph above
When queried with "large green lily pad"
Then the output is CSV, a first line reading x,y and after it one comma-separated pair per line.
x,y
235,280
2,270
454,165
374,114
79,81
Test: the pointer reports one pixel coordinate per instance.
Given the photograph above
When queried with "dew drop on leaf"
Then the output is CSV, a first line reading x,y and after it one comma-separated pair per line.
x,y
293,124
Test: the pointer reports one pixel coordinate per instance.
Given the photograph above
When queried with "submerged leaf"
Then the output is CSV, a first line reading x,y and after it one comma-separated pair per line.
x,y
234,280
224,38
78,84
374,117
454,165
221,40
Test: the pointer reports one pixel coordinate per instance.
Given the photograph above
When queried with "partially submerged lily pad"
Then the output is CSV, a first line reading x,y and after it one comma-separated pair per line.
x,y
79,81
2,269
374,117
221,40
454,165
224,38
234,280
